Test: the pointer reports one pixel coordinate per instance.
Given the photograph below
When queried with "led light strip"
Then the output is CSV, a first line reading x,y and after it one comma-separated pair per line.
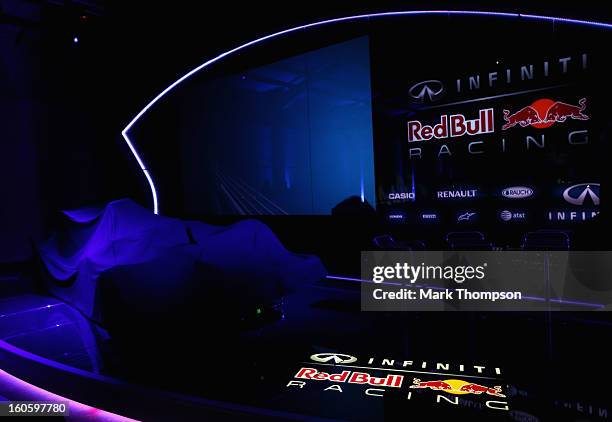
x,y
142,165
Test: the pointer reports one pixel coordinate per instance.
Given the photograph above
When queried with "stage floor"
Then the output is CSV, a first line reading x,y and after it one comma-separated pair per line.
x,y
550,366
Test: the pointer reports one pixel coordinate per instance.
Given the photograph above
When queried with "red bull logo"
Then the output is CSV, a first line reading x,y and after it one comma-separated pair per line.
x,y
350,377
452,126
544,113
454,386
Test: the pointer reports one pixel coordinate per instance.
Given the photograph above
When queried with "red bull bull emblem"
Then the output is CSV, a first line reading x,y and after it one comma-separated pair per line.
x,y
544,113
454,386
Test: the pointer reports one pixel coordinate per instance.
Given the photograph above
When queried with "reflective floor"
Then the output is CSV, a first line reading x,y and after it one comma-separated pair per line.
x,y
51,329
552,366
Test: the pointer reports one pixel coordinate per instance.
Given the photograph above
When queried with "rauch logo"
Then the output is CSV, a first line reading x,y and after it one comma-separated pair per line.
x,y
517,192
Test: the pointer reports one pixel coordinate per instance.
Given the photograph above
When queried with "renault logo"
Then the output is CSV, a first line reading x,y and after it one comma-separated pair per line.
x,y
336,358
426,91
577,194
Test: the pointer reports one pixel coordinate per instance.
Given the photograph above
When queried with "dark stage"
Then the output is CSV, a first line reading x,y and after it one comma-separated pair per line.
x,y
363,211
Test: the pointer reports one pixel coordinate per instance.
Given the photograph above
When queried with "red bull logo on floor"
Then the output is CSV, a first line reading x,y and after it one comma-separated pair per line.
x,y
455,386
544,113
350,377
337,375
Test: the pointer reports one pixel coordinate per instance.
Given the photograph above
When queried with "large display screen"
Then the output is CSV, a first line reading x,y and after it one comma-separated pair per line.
x,y
291,137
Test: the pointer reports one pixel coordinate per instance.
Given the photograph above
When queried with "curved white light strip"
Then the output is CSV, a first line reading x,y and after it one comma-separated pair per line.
x,y
125,131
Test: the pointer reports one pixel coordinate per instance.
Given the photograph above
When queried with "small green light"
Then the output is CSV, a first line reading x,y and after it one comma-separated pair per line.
x,y
258,311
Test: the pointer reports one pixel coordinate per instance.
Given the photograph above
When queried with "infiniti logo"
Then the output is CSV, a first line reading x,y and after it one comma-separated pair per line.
x,y
426,91
336,358
577,194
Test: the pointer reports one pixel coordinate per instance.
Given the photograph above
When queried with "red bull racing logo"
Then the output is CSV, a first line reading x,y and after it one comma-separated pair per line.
x,y
375,378
544,113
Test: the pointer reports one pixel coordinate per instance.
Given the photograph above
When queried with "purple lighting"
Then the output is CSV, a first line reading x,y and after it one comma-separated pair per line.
x,y
125,132
30,310
18,389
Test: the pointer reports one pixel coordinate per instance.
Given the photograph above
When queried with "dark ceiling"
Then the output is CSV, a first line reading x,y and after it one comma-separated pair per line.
x,y
142,46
